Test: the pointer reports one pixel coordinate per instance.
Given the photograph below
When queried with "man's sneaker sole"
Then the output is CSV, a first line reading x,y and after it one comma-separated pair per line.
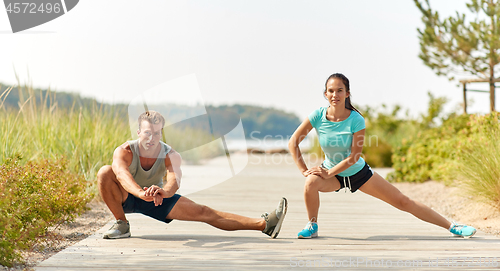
x,y
277,229
314,235
117,237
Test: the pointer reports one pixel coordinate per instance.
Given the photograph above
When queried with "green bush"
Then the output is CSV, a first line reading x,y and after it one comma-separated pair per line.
x,y
33,197
433,153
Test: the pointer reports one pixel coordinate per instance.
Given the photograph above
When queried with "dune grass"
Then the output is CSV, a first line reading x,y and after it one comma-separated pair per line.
x,y
87,137
479,168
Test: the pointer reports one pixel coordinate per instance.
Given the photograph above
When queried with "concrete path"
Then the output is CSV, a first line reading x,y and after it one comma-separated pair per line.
x,y
356,231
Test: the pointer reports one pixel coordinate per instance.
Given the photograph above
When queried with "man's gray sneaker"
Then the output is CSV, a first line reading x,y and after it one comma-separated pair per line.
x,y
120,229
275,219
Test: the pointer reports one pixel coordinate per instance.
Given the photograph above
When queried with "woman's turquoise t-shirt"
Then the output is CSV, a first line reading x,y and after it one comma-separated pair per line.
x,y
335,138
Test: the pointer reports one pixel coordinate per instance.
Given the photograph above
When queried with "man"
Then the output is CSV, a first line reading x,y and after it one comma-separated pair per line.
x,y
134,184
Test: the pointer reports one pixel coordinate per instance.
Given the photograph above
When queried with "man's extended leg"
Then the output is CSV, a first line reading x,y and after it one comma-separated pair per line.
x,y
188,210
270,223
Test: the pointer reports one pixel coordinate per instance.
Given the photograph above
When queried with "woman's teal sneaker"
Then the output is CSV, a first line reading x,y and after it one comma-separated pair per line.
x,y
310,231
462,230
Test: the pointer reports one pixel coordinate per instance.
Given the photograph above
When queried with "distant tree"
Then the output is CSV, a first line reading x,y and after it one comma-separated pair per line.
x,y
436,106
453,45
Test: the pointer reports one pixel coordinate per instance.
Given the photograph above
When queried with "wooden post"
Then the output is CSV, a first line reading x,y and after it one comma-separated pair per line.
x,y
492,97
465,98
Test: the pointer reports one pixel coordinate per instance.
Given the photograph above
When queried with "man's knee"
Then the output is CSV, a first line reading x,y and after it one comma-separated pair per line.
x,y
105,174
186,209
202,213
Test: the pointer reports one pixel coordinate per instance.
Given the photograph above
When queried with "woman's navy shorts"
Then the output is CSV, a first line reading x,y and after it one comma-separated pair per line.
x,y
357,180
137,205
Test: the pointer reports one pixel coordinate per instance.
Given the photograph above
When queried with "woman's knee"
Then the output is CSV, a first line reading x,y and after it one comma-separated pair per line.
x,y
312,183
404,203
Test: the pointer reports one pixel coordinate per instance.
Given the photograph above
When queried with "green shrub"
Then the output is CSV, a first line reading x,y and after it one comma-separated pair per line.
x,y
33,197
433,153
427,154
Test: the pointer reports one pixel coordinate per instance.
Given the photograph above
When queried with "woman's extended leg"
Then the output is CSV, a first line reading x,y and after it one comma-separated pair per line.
x,y
380,188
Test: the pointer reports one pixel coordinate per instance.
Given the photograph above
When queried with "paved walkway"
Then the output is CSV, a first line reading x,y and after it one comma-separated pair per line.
x,y
356,231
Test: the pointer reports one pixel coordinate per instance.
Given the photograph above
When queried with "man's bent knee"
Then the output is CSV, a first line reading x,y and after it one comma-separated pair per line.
x,y
105,173
106,177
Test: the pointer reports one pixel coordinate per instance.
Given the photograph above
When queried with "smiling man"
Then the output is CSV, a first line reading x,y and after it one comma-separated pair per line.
x,y
134,184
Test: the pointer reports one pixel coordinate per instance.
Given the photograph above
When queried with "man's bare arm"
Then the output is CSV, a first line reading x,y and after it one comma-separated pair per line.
x,y
173,165
174,173
122,158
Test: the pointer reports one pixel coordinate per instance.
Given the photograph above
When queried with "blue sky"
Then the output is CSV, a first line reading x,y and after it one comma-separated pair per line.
x,y
268,53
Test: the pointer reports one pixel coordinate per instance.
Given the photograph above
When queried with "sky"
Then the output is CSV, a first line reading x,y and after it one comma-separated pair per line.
x,y
266,53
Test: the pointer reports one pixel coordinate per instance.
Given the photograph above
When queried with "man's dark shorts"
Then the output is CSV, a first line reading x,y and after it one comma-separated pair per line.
x,y
137,205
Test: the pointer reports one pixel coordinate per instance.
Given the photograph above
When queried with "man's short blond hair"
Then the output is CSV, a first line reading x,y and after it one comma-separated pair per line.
x,y
152,117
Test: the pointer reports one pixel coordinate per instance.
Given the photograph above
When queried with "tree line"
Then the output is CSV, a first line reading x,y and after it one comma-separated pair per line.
x,y
257,121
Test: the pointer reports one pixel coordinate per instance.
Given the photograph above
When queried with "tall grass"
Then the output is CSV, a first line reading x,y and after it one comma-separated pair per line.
x,y
479,167
86,136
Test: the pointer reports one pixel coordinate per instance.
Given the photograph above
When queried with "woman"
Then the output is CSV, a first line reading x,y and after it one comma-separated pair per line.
x,y
341,131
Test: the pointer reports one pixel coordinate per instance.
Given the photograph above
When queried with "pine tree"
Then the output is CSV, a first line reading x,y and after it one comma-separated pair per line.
x,y
455,45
